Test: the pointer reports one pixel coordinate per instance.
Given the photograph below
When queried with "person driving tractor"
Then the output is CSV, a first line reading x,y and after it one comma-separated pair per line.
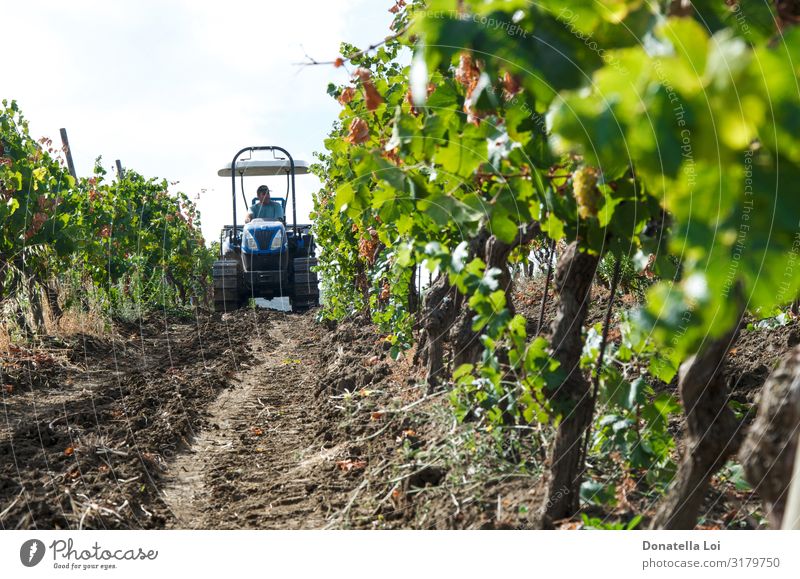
x,y
264,208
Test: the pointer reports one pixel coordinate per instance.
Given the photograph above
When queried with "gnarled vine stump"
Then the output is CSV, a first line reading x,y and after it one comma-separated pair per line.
x,y
768,452
712,433
574,275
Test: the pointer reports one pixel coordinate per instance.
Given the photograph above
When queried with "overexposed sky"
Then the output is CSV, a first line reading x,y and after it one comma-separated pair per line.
x,y
173,88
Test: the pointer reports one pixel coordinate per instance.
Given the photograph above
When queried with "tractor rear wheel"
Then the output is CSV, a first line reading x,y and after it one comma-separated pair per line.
x,y
226,285
306,285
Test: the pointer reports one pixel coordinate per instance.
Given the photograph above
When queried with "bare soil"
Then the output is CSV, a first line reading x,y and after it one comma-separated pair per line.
x,y
223,421
259,463
90,423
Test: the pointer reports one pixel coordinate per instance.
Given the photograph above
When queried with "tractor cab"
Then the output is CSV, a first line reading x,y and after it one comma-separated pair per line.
x,y
265,257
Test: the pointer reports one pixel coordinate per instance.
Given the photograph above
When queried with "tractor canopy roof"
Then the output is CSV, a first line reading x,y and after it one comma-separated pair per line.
x,y
264,168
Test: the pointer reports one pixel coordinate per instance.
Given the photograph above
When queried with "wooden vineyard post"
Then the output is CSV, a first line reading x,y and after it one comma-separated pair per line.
x,y
68,153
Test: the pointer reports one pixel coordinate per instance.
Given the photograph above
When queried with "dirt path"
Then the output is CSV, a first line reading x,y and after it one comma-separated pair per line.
x,y
258,464
214,421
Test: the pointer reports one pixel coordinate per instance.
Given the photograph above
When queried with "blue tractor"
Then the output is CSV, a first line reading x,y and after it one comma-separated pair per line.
x,y
265,258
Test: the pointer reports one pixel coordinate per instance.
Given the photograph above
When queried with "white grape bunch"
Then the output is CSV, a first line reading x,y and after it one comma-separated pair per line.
x,y
584,187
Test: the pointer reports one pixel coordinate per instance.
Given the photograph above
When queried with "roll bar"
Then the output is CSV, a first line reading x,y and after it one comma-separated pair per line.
x,y
291,173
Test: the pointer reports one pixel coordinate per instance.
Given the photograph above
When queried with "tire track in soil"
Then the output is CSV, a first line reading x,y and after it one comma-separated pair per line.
x,y
257,465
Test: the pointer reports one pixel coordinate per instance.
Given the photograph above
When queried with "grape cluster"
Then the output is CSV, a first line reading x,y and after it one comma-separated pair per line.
x,y
584,187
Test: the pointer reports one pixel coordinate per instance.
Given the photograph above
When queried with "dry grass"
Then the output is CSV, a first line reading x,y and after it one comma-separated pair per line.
x,y
73,322
77,322
5,338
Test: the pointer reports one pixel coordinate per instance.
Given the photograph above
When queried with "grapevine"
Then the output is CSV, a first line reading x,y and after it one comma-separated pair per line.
x,y
127,241
485,142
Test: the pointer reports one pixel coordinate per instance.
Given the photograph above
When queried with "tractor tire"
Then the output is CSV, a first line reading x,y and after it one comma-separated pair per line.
x,y
227,296
306,285
304,263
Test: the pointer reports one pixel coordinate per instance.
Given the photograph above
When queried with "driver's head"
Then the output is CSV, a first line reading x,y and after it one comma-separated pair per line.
x,y
263,193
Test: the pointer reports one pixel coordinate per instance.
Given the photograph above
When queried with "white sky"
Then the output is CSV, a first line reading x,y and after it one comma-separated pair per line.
x,y
173,88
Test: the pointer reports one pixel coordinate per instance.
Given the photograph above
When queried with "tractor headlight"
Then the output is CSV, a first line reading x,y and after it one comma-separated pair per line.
x,y
250,241
277,240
